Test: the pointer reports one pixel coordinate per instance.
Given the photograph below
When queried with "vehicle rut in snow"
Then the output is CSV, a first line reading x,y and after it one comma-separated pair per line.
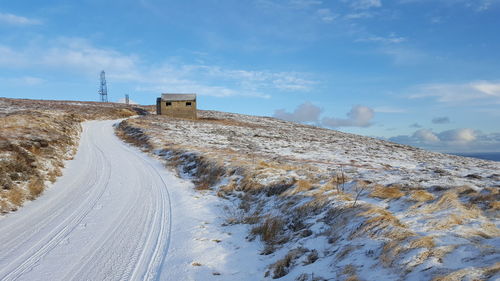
x,y
107,218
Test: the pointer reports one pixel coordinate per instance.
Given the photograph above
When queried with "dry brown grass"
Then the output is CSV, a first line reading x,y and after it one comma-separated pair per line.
x,y
486,230
269,231
421,196
350,271
422,242
227,122
303,185
378,215
383,192
484,273
35,187
54,174
281,267
15,196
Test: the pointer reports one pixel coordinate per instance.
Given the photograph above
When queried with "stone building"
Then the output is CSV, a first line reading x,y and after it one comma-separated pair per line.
x,y
177,105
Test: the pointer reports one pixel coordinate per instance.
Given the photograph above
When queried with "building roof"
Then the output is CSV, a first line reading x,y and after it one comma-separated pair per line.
x,y
178,97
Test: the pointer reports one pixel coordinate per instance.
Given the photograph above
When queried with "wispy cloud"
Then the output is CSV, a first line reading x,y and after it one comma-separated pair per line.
x,y
402,55
358,15
80,56
478,92
12,19
391,39
477,5
23,80
325,15
365,4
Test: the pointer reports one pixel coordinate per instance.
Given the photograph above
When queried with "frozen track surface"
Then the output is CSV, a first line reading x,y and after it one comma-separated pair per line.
x,y
107,218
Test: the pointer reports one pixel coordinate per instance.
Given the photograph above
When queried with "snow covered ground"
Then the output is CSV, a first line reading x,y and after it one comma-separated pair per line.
x,y
36,136
333,206
117,214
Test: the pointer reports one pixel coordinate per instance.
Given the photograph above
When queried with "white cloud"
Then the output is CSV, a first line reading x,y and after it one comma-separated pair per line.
x,y
492,89
365,4
485,92
456,140
306,112
461,136
359,116
325,15
403,55
17,20
80,56
305,3
23,81
360,15
391,39
478,5
426,136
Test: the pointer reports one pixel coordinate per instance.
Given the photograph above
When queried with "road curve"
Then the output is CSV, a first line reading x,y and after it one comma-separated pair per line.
x,y
107,218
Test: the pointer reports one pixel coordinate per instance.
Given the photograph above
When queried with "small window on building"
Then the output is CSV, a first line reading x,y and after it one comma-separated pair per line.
x,y
169,103
188,103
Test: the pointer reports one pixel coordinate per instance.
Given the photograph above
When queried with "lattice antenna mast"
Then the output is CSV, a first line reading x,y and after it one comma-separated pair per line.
x,y
103,89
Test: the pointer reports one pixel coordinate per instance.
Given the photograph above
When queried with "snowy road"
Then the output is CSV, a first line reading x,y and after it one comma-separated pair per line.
x,y
107,218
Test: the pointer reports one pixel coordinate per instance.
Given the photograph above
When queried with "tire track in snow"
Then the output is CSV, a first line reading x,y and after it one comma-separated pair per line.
x,y
126,238
61,231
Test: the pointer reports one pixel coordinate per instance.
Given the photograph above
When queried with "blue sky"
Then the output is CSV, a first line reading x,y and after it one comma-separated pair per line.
x,y
419,72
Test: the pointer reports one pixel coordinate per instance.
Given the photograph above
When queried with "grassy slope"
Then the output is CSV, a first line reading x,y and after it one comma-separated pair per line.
x,y
36,137
342,205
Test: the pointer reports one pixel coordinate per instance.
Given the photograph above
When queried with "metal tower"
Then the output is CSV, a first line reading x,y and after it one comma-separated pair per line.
x,y
103,90
127,99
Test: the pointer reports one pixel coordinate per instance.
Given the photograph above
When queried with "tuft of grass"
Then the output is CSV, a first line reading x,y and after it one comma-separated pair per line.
x,y
383,192
281,267
35,187
423,242
15,196
269,230
421,196
303,185
350,271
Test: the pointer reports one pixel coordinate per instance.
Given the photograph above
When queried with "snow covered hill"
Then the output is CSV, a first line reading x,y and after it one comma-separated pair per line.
x,y
328,205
